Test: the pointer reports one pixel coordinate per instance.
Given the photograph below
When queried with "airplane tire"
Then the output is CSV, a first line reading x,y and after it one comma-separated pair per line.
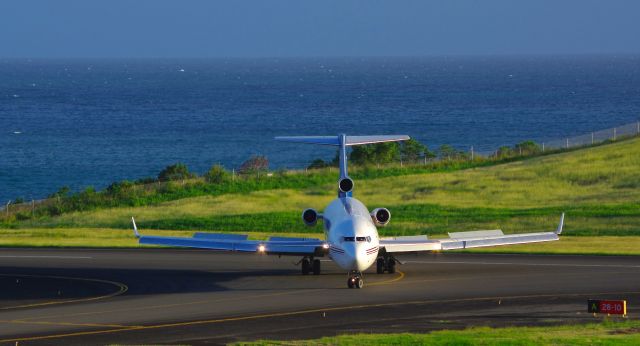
x,y
350,283
306,267
316,267
391,266
359,283
380,266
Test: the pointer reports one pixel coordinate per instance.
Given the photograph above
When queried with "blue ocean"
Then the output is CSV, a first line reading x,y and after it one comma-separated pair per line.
x,y
91,122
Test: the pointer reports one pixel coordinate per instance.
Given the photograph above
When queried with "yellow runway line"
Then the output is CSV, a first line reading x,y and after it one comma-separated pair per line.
x,y
301,312
386,282
122,289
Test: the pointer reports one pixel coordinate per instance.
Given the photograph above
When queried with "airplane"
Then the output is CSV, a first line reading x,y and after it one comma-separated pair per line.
x,y
351,236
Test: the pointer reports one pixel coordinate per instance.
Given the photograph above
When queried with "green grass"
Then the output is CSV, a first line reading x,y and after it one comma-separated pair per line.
x,y
598,188
607,333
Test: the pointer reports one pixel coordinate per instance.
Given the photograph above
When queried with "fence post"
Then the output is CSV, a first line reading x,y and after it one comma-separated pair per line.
x,y
591,138
233,174
614,133
472,153
425,157
7,208
543,147
33,207
567,143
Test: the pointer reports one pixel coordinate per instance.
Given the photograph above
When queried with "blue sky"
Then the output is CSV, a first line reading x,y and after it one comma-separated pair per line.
x,y
252,28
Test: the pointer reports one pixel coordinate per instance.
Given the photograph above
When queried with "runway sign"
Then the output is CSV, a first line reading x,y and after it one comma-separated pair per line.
x,y
617,307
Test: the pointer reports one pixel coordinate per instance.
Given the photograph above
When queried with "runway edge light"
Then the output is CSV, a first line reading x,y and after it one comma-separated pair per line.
x,y
610,307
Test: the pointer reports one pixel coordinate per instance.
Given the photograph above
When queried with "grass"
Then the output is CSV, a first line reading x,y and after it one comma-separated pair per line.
x,y
598,188
607,333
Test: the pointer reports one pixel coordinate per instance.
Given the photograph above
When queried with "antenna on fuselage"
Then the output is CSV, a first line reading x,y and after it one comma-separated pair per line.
x,y
345,184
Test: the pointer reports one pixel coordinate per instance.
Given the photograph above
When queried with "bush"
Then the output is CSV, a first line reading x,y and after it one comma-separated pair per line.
x,y
178,171
414,151
375,153
255,164
318,163
216,175
527,148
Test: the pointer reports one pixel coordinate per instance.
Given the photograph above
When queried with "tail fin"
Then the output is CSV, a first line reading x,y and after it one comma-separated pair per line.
x,y
343,141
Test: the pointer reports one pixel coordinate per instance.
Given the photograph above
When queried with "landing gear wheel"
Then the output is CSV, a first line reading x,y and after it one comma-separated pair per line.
x,y
316,267
391,266
306,266
380,265
358,282
355,279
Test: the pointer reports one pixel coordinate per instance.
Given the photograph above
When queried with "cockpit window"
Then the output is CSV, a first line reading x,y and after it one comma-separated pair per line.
x,y
349,239
361,238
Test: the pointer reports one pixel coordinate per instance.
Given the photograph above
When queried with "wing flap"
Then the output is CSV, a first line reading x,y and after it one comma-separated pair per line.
x,y
220,236
510,239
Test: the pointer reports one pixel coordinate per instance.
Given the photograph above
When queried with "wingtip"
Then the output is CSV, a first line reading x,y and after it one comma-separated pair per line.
x,y
135,228
560,225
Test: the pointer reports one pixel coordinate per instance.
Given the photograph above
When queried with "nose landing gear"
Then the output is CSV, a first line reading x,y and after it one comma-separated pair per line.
x,y
355,279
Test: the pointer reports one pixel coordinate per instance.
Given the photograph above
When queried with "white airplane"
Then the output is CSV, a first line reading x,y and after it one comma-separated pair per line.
x,y
351,236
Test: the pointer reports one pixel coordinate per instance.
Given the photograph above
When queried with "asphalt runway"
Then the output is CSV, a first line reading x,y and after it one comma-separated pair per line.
x,y
66,296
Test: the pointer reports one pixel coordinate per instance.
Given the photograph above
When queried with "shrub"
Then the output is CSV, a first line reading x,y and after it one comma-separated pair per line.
x,y
255,164
527,148
178,171
318,163
216,175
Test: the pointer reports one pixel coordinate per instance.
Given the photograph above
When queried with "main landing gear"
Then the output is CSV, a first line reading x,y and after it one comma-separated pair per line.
x,y
387,264
309,264
355,279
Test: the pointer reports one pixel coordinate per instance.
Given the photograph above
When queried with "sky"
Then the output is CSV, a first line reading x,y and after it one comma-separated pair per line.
x,y
296,28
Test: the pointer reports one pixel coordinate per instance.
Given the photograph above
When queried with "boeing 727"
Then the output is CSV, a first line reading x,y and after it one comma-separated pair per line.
x,y
351,235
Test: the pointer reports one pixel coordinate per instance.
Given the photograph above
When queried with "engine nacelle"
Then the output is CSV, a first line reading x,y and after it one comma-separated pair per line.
x,y
345,185
381,216
310,217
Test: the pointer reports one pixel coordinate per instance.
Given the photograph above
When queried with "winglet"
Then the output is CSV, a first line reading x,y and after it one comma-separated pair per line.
x,y
560,225
135,228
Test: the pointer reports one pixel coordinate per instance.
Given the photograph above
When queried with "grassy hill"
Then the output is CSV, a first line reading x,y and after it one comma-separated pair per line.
x,y
598,188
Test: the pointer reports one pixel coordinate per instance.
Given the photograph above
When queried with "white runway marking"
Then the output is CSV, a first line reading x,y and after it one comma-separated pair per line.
x,y
45,256
530,264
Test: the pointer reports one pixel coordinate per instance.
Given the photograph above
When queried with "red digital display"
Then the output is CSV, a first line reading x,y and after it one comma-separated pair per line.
x,y
617,307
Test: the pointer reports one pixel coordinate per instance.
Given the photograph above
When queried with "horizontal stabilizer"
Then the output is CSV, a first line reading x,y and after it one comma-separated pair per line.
x,y
349,140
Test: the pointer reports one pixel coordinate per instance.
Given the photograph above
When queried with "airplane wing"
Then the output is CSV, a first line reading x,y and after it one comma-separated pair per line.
x,y
467,240
239,242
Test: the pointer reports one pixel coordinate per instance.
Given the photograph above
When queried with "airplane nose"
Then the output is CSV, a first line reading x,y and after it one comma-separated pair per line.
x,y
358,257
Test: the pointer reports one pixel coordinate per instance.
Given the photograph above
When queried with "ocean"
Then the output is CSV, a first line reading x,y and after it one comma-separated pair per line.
x,y
90,122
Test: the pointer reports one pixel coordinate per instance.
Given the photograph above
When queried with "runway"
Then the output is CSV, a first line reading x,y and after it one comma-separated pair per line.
x,y
74,296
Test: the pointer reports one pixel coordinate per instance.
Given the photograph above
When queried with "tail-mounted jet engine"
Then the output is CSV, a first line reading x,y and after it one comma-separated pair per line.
x,y
381,216
310,217
345,185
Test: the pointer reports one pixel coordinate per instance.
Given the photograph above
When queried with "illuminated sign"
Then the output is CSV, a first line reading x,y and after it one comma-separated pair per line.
x,y
617,307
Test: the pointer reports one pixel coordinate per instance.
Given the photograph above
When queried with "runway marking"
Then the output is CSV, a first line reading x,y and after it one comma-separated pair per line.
x,y
66,324
531,264
300,312
386,282
170,305
46,256
122,289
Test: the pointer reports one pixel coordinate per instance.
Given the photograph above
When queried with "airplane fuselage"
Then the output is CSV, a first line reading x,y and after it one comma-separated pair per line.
x,y
351,234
